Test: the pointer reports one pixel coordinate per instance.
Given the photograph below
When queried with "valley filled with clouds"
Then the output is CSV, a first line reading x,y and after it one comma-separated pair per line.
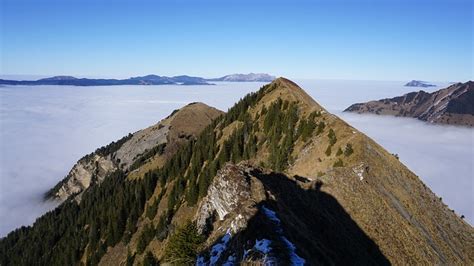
x,y
46,129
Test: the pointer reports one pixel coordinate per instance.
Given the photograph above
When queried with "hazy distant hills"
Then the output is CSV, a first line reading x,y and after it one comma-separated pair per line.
x,y
145,80
419,83
451,105
260,77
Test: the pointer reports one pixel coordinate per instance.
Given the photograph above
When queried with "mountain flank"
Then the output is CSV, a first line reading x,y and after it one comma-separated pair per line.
x,y
453,105
275,180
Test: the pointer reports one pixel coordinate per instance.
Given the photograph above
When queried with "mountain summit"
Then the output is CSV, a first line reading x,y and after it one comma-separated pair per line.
x,y
275,180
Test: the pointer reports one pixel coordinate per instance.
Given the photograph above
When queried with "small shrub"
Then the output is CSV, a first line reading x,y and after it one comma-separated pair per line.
x,y
328,150
338,163
332,137
348,150
320,128
339,151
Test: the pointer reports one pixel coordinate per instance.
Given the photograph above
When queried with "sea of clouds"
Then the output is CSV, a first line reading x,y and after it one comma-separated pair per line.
x,y
44,130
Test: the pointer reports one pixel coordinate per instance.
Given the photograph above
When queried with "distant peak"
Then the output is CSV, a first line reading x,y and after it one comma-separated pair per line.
x,y
419,83
59,78
250,77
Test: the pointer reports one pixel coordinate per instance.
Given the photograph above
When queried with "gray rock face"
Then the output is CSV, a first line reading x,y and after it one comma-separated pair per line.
x,y
93,169
231,200
84,173
141,142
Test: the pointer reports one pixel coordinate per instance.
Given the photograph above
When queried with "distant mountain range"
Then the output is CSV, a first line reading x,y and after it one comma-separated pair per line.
x,y
419,83
145,80
260,77
452,105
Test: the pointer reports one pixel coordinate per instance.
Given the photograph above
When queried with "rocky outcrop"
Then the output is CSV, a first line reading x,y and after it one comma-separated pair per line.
x,y
86,172
453,105
141,146
233,196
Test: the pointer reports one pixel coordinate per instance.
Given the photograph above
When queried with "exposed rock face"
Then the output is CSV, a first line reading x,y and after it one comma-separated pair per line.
x,y
232,196
452,105
140,143
85,172
171,132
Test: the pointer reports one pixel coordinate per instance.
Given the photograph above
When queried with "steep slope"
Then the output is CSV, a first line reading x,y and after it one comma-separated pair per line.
x,y
277,179
452,105
154,144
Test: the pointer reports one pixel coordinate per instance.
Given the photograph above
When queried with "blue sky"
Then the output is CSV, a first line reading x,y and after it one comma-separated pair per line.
x,y
375,40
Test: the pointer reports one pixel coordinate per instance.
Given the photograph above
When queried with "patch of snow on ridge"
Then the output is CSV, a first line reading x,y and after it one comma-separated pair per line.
x,y
230,261
271,215
216,252
218,248
295,259
263,246
200,261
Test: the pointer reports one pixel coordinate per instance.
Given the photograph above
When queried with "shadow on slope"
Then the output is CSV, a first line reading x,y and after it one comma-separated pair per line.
x,y
318,226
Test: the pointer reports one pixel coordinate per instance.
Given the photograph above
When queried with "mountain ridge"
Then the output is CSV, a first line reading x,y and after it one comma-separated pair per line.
x,y
275,179
451,105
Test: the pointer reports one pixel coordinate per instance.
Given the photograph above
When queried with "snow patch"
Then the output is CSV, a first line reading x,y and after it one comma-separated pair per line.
x,y
263,246
271,215
216,251
230,261
200,261
295,259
